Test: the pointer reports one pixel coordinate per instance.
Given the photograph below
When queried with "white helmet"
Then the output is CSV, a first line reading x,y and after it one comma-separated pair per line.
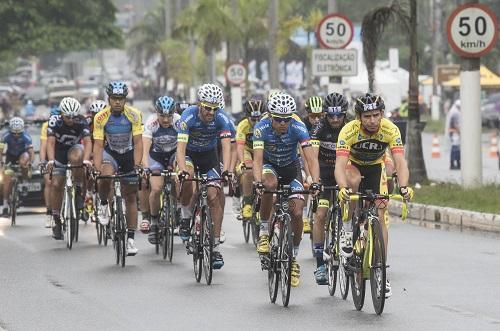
x,y
16,125
281,104
70,107
211,93
97,106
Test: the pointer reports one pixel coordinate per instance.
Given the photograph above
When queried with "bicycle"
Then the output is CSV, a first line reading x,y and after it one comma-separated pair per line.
x,y
278,262
201,242
103,231
69,214
368,260
117,220
16,192
250,225
168,215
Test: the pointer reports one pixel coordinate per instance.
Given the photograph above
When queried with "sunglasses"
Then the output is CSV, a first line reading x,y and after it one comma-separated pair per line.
x,y
209,108
335,115
282,119
16,133
315,116
166,115
254,118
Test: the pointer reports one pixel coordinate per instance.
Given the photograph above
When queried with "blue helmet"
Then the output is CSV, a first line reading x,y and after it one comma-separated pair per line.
x,y
165,105
117,88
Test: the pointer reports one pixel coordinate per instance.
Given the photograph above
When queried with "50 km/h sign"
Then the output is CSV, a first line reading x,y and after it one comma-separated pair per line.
x,y
472,30
236,73
335,31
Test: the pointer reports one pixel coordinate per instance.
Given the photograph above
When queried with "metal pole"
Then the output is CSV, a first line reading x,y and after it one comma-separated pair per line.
x,y
273,36
436,48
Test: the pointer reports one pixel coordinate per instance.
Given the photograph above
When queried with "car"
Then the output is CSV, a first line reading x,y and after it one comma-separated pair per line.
x,y
35,185
490,111
59,91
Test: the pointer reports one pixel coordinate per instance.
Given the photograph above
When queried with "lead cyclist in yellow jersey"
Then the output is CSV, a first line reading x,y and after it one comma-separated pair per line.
x,y
244,147
360,152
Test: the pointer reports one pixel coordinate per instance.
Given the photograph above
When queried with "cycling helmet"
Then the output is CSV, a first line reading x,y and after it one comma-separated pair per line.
x,y
117,88
211,93
281,104
97,106
335,104
70,107
54,110
181,106
314,105
253,108
165,105
16,125
369,102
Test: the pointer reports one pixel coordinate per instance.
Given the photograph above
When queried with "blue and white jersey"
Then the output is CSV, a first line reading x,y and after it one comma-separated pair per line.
x,y
163,140
16,145
280,150
201,136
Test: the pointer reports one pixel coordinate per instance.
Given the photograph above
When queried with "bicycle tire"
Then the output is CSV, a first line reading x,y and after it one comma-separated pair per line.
x,y
74,216
158,237
122,234
255,228
329,245
246,229
116,237
98,228
197,248
358,282
286,259
208,243
378,267
273,276
13,204
342,274
163,224
171,226
66,218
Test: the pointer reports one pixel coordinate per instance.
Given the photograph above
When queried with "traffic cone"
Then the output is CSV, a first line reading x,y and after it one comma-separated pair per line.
x,y
436,150
494,146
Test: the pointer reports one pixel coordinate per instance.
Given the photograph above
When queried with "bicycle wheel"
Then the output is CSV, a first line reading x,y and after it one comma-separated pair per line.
x,y
357,278
196,242
164,211
98,229
74,215
378,267
286,259
208,243
343,275
123,230
170,226
13,204
273,273
66,219
255,227
246,229
329,246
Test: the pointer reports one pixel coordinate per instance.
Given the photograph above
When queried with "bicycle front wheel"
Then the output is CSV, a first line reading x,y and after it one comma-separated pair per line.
x,y
329,246
120,213
246,229
196,246
208,243
377,267
13,205
66,219
343,276
357,278
273,272
170,226
286,259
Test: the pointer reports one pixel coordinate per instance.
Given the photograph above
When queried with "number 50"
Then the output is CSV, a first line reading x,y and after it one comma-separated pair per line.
x,y
479,26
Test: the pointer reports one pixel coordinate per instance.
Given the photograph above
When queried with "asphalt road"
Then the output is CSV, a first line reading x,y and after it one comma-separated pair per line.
x,y
440,280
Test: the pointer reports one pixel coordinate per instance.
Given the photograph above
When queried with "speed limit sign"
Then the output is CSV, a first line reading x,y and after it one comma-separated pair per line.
x,y
335,31
236,73
472,30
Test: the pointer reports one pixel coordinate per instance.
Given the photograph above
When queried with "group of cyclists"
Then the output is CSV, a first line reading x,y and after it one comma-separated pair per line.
x,y
272,145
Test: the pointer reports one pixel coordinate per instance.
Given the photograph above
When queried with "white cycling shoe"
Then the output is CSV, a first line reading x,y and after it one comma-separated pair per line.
x,y
131,248
103,214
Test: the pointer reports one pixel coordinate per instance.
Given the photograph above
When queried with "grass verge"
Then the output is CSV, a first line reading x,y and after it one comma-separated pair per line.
x,y
485,199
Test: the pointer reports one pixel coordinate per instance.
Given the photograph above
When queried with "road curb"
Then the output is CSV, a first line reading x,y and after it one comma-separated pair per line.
x,y
464,219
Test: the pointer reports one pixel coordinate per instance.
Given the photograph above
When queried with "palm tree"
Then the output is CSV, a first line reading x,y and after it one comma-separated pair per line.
x,y
372,29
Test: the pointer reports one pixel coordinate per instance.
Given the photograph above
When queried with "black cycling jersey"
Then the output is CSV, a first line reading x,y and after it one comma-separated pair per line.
x,y
327,137
309,125
67,136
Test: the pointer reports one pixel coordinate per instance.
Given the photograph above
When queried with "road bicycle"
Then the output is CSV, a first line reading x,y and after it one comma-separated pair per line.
x,y
117,219
201,242
17,191
250,225
368,259
278,262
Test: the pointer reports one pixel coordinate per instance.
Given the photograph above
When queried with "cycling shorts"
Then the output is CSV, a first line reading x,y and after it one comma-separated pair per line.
x,y
206,163
287,175
62,160
327,177
11,160
161,161
122,163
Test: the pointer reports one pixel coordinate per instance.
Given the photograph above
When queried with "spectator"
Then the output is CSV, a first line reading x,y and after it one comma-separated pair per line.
x,y
29,109
453,130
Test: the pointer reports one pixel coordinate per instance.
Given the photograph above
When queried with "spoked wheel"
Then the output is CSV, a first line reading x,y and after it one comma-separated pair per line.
x,y
99,230
164,230
67,220
158,234
106,233
377,268
77,228
329,246
343,275
196,242
13,205
286,260
255,227
343,279
208,244
170,226
246,229
273,272
357,278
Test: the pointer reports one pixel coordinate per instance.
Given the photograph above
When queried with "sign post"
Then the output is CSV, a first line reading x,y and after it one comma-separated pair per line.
x,y
472,31
334,31
236,75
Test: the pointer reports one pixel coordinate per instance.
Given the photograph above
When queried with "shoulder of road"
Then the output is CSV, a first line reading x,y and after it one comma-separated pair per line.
x,y
446,216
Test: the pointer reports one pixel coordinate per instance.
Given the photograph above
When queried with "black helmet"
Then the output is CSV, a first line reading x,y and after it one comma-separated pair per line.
x,y
335,103
253,108
369,102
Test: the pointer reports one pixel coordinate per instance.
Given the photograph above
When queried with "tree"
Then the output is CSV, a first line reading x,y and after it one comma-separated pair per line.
x,y
36,27
372,29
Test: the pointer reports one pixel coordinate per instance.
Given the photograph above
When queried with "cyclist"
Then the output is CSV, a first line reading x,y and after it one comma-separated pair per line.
x,y
19,151
159,146
118,148
43,162
200,127
65,133
360,152
324,138
275,140
244,132
314,114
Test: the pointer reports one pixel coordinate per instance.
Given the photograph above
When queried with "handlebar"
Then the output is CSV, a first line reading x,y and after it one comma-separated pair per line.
x,y
372,197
